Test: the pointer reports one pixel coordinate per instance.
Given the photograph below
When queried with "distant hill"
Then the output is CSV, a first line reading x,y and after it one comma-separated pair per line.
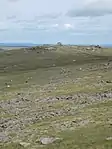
x,y
2,45
1,49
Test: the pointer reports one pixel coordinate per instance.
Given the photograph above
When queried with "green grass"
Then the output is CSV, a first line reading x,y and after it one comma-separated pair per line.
x,y
11,146
92,135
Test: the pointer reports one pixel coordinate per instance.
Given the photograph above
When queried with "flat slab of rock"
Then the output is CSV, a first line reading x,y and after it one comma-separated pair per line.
x,y
3,137
24,144
48,140
109,138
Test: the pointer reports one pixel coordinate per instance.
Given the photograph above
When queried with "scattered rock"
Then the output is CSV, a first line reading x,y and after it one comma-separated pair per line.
x,y
80,68
50,48
88,48
8,86
74,60
24,144
102,81
69,98
84,102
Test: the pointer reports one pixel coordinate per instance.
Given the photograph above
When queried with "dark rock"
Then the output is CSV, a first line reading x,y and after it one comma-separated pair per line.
x,y
98,46
6,83
3,126
84,102
17,100
108,81
74,121
58,98
105,95
69,98
59,43
18,93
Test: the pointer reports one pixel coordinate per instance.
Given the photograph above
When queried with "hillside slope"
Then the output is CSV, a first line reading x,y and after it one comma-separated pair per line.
x,y
62,92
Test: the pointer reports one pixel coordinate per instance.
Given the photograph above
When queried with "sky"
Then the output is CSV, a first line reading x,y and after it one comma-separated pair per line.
x,y
51,21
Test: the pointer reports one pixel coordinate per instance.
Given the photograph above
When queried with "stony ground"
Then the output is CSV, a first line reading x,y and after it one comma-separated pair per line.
x,y
60,99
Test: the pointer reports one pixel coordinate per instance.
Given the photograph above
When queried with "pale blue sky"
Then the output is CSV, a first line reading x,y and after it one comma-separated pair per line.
x,y
50,21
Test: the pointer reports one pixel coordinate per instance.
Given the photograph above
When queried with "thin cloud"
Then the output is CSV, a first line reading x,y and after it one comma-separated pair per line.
x,y
12,17
92,9
13,0
3,30
50,16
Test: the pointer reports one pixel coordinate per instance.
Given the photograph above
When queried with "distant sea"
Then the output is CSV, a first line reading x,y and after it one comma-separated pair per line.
x,y
9,46
107,45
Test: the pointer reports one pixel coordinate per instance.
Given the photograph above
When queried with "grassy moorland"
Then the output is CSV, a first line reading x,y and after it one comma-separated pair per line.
x,y
62,92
